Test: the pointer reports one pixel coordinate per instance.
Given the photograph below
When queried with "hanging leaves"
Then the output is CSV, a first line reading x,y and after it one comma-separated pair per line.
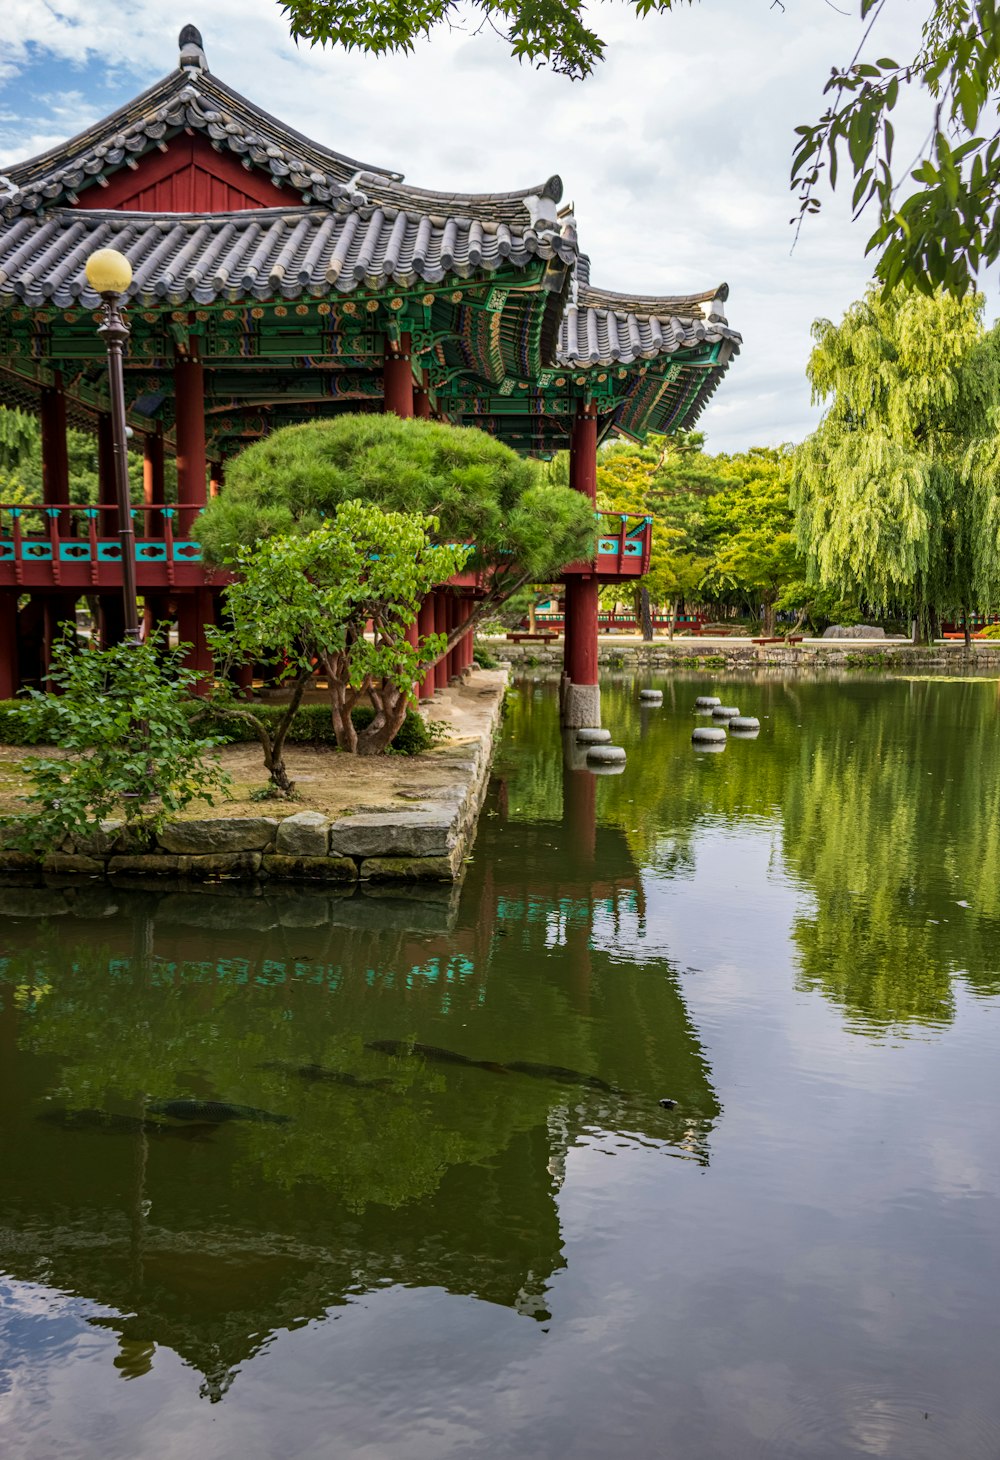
x,y
895,493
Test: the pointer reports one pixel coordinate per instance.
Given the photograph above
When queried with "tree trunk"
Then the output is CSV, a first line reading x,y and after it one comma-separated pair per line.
x,y
645,615
675,604
389,716
531,617
274,758
342,701
767,626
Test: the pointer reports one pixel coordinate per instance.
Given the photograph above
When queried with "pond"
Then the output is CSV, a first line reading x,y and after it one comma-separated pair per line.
x,y
387,1175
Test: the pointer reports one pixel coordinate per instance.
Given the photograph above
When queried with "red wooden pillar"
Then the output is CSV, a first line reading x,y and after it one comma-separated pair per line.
x,y
425,627
441,627
107,494
10,669
467,642
581,699
455,616
397,379
422,399
55,456
152,480
189,400
194,611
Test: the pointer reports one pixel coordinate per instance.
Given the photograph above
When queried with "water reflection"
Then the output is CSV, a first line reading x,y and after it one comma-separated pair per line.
x,y
525,1264
208,1237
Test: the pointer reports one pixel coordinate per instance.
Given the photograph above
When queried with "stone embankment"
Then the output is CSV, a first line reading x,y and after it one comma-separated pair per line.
x,y
423,833
634,656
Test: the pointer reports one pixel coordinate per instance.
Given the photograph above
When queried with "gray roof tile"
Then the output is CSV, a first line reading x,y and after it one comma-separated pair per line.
x,y
182,257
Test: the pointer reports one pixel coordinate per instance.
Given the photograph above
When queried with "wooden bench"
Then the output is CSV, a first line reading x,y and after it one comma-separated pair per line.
x,y
518,638
779,639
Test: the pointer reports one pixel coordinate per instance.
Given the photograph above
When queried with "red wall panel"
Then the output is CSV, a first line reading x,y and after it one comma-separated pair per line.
x,y
189,177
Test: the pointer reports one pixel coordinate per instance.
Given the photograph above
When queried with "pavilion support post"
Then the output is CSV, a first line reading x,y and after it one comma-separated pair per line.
x,y
189,398
467,644
55,453
195,611
111,620
425,627
412,636
10,668
107,494
58,614
581,693
454,619
397,378
441,627
422,399
152,481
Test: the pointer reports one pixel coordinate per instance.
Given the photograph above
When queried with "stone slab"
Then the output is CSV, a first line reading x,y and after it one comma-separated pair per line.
x,y
408,869
228,834
306,834
73,865
309,869
425,833
241,865
149,864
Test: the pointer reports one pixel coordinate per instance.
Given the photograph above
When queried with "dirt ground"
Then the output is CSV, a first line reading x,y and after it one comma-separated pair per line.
x,y
325,780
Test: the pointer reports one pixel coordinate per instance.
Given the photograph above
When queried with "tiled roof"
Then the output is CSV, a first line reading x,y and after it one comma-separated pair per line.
x,y
688,306
264,252
606,329
191,97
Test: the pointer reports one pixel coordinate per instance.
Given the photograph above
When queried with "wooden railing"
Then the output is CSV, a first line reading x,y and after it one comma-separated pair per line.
x,y
77,546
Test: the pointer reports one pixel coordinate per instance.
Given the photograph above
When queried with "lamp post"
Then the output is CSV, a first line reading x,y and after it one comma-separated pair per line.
x,y
109,274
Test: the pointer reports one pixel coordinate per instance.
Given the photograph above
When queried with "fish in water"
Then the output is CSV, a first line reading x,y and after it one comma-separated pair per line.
x,y
318,1074
213,1112
515,1067
561,1076
432,1052
115,1124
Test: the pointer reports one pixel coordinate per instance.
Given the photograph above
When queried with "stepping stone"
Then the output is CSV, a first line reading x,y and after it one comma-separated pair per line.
x,y
744,723
592,735
605,755
725,712
707,736
707,702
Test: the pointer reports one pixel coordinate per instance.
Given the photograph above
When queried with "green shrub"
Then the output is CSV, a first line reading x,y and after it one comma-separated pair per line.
x,y
484,658
122,715
312,726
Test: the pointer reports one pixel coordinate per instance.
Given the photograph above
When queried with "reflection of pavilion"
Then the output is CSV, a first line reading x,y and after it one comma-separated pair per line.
x,y
448,1180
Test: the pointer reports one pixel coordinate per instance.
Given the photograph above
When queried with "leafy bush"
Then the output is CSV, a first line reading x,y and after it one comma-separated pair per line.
x,y
312,725
122,715
484,658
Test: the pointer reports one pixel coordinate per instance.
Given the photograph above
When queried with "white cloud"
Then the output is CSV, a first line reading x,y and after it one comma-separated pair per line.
x,y
675,153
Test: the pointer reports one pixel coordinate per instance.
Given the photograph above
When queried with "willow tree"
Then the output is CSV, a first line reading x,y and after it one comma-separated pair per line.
x,y
895,492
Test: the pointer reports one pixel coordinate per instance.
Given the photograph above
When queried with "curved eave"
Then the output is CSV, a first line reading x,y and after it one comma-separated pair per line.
x,y
707,305
592,336
256,255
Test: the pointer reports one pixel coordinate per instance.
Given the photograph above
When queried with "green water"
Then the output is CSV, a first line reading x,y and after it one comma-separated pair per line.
x,y
797,941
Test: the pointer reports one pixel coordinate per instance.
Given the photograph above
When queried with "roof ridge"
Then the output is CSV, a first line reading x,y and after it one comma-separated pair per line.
x,y
193,97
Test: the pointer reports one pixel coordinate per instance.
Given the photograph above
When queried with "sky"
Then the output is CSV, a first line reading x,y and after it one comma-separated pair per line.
x,y
675,153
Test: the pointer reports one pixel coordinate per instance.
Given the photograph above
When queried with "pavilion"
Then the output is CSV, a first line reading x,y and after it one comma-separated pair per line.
x,y
277,281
